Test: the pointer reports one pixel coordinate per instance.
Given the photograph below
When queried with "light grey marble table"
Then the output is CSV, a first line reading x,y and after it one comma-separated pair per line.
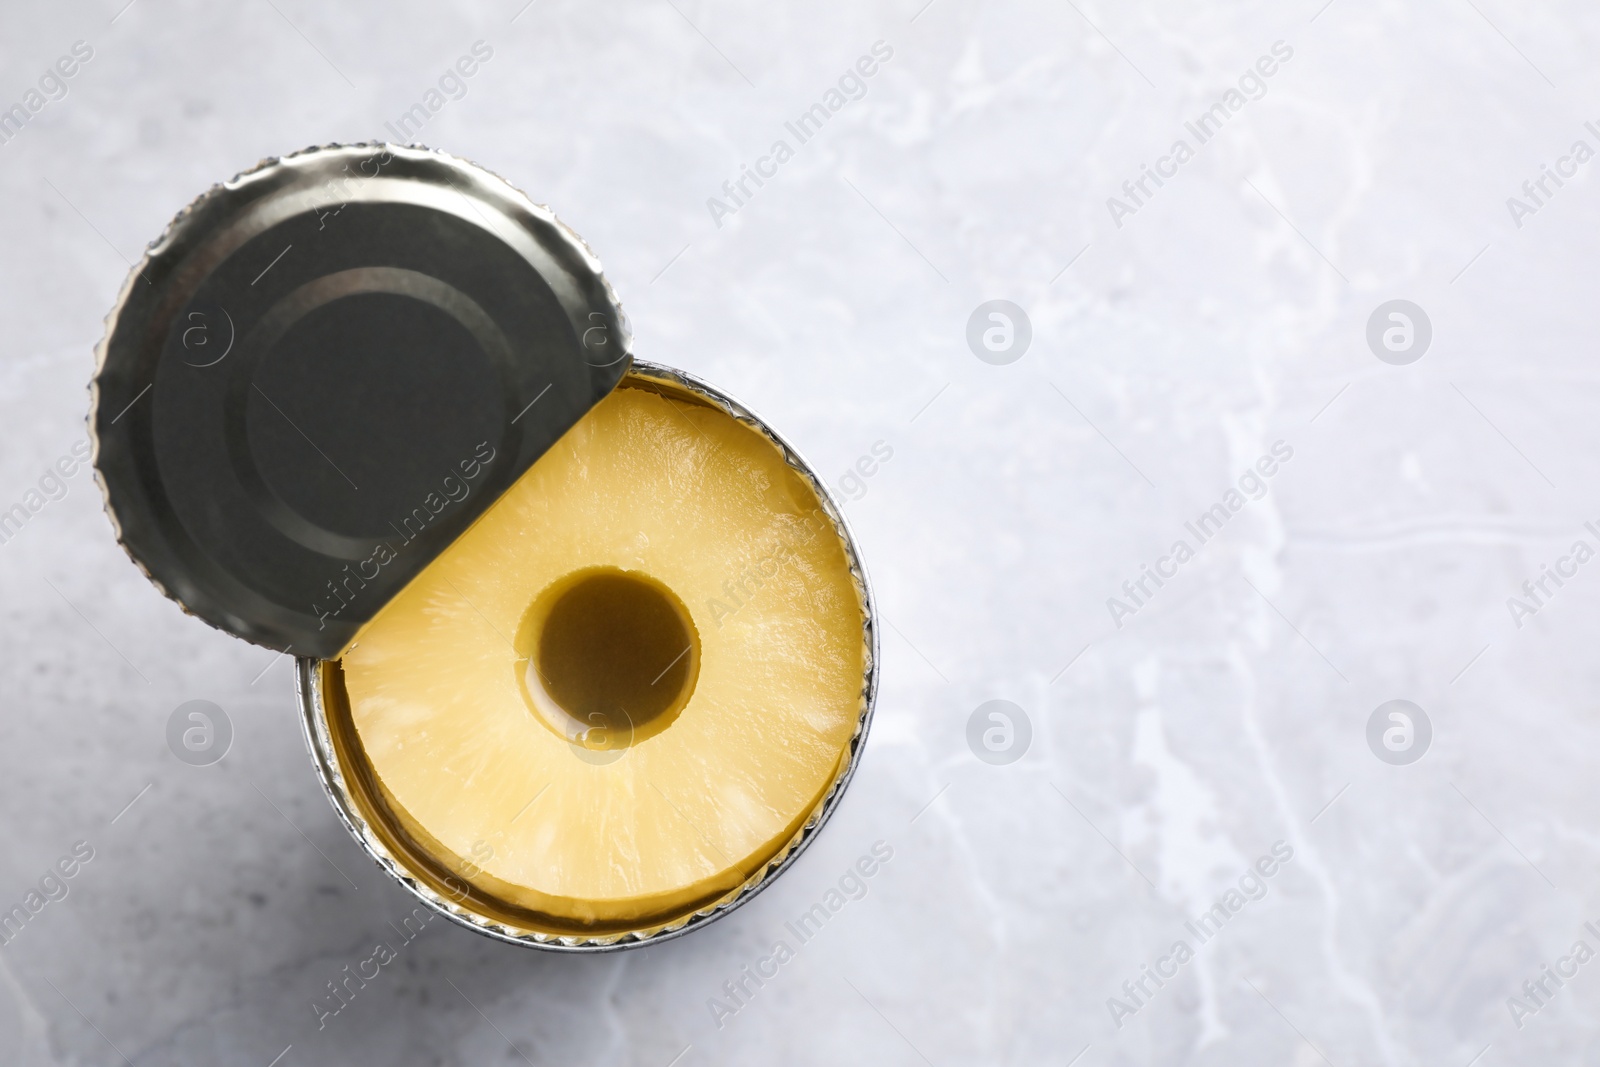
x,y
1181,330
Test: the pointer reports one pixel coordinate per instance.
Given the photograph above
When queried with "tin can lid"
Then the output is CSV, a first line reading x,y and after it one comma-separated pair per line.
x,y
326,369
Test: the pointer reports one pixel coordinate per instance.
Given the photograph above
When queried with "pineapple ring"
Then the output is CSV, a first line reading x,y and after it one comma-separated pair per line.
x,y
468,731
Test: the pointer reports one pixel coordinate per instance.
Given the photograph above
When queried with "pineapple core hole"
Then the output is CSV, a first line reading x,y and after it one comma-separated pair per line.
x,y
607,657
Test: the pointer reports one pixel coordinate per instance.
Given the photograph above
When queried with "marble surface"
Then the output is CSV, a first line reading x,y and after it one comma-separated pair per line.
x,y
1176,339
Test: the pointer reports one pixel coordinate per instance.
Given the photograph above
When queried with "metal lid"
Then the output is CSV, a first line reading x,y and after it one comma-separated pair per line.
x,y
326,369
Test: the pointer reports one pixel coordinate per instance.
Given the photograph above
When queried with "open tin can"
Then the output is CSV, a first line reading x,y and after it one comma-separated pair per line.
x,y
432,313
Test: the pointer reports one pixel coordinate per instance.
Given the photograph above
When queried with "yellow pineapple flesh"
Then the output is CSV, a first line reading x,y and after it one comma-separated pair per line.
x,y
631,682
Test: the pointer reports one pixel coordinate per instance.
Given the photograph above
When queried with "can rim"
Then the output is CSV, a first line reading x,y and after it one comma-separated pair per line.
x,y
320,748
